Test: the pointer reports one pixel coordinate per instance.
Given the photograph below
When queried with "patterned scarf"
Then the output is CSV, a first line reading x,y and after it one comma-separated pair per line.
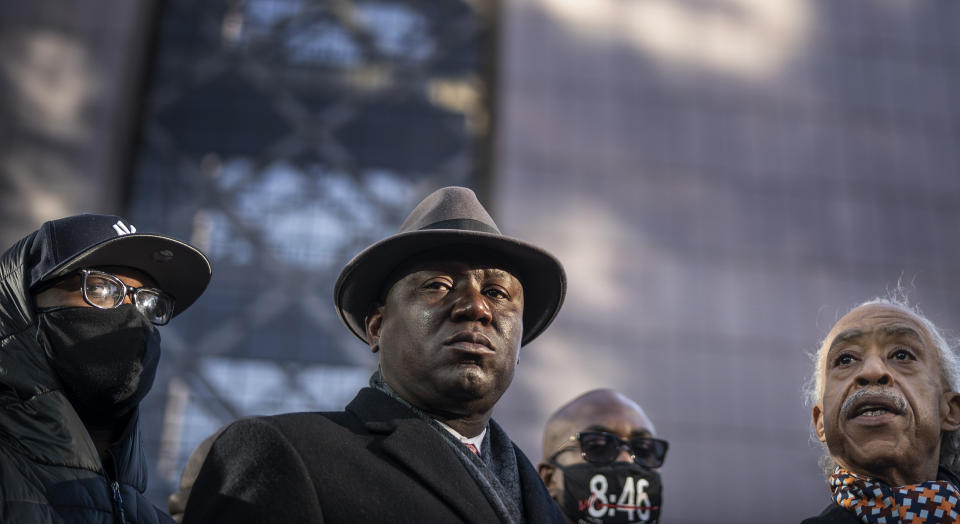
x,y
873,501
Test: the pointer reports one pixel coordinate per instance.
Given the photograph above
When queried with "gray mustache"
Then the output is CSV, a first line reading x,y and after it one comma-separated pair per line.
x,y
895,399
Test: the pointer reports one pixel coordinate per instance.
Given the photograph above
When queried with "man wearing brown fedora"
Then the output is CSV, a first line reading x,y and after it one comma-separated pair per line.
x,y
445,304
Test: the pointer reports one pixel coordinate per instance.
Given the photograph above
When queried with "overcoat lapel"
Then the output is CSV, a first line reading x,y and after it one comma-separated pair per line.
x,y
418,446
421,449
536,507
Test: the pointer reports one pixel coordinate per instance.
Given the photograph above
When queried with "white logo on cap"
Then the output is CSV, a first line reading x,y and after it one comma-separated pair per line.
x,y
122,228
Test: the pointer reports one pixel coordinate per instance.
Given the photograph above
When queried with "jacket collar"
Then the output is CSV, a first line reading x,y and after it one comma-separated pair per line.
x,y
48,430
945,474
424,451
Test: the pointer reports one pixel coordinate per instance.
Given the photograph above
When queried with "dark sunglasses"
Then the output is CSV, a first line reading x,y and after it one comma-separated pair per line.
x,y
602,448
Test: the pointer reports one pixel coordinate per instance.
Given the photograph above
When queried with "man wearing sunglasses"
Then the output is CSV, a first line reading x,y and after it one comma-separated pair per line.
x,y
80,299
445,305
601,458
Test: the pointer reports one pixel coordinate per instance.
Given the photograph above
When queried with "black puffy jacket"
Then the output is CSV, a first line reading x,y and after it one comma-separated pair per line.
x,y
49,468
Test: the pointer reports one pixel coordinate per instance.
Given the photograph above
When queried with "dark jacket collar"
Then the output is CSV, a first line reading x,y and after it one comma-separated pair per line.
x,y
945,474
420,447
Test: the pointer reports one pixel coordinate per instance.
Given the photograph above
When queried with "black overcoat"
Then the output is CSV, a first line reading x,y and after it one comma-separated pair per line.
x,y
833,514
375,462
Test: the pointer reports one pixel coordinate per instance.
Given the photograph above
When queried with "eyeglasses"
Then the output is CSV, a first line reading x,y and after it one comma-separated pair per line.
x,y
105,291
602,448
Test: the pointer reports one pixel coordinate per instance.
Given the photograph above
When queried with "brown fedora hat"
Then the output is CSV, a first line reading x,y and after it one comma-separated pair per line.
x,y
451,216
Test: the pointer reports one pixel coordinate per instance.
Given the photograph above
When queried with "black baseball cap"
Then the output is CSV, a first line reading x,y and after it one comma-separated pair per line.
x,y
80,241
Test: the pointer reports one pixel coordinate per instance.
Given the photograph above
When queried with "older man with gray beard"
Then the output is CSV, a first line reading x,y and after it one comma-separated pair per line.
x,y
885,403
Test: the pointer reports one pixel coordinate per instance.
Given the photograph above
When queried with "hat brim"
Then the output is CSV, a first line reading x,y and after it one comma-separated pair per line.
x,y
178,268
541,274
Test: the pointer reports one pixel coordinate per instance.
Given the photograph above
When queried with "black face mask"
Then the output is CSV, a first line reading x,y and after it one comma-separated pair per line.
x,y
617,492
105,358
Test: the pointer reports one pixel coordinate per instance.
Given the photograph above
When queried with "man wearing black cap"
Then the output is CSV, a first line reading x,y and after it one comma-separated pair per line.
x,y
446,304
79,302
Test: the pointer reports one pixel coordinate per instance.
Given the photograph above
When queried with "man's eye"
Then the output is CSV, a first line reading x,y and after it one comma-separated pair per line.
x,y
101,291
902,354
843,359
437,284
496,292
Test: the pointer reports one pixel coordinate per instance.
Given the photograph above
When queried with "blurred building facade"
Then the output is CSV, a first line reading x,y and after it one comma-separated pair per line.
x,y
721,179
283,137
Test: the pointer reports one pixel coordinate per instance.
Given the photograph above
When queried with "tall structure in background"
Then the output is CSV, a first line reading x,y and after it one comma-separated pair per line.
x,y
282,136
720,179
71,76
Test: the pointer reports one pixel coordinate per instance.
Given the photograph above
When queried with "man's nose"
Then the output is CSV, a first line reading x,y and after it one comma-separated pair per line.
x,y
874,371
128,297
471,304
625,455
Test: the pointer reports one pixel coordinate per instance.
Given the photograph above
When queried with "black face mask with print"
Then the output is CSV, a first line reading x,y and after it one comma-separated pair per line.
x,y
106,358
618,492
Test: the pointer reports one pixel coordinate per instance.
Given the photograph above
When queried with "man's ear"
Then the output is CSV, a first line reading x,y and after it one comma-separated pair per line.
x,y
950,411
548,474
372,324
818,423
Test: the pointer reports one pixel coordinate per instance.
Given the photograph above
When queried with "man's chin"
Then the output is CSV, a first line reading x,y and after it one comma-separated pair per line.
x,y
874,457
469,383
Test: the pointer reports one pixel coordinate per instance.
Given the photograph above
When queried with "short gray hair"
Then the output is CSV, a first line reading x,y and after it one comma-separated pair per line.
x,y
949,373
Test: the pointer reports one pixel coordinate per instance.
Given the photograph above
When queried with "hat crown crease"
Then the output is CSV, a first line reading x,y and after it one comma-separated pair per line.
x,y
452,203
